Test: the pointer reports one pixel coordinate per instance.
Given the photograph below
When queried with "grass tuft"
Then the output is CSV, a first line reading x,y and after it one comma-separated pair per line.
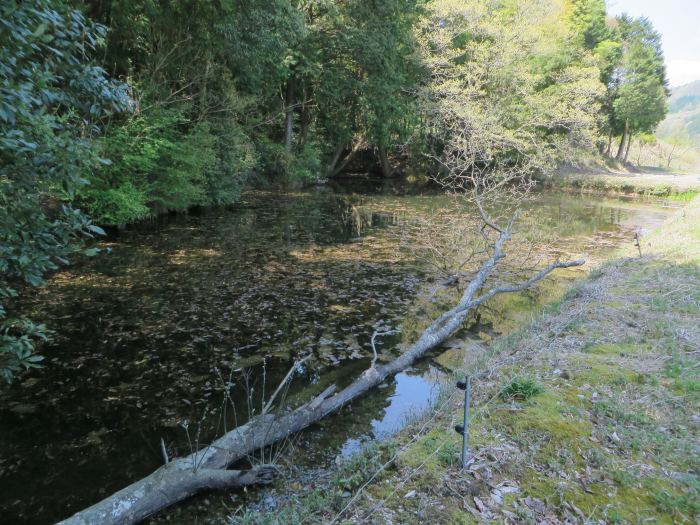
x,y
521,389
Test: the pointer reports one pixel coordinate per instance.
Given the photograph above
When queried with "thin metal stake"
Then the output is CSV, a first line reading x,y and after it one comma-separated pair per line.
x,y
465,432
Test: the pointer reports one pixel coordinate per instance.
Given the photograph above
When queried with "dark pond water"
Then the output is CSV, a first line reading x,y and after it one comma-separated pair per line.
x,y
147,333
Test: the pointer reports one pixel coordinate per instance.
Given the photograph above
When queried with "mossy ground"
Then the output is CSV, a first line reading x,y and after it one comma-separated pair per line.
x,y
613,436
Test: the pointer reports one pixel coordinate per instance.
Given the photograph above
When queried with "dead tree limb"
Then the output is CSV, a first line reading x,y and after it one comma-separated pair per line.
x,y
205,469
284,382
169,484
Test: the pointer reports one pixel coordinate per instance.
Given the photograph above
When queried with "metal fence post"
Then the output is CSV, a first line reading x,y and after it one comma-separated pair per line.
x,y
463,429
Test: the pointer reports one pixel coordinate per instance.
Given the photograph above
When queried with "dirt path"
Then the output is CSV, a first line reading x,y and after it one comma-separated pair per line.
x,y
680,181
648,183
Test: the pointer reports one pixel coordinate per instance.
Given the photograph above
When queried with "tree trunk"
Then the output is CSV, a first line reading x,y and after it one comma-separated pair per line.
x,y
387,168
204,95
289,111
627,149
305,120
336,158
203,469
610,140
337,166
623,141
169,484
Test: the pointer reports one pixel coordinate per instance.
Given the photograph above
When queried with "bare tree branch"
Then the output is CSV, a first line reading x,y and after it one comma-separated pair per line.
x,y
284,382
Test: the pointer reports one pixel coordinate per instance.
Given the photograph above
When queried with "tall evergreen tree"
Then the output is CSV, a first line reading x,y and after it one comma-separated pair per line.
x,y
641,87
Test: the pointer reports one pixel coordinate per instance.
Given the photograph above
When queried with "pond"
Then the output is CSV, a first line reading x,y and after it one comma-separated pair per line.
x,y
148,332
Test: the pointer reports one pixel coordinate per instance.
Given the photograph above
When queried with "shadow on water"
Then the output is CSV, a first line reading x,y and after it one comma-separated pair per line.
x,y
148,334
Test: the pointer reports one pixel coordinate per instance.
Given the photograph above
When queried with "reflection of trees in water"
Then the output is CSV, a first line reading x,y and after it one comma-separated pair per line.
x,y
325,438
358,219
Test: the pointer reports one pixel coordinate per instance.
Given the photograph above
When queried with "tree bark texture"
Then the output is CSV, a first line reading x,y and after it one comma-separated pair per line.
x,y
340,162
387,168
289,113
627,149
623,141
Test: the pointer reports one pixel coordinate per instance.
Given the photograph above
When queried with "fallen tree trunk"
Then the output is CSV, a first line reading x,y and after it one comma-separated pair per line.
x,y
169,484
204,469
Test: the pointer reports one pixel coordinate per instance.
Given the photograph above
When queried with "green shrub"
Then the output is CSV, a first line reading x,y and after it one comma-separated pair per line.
x,y
154,157
120,205
235,159
521,389
306,166
160,161
53,99
274,161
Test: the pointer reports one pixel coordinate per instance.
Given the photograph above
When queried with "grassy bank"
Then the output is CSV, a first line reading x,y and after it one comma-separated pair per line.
x,y
677,186
588,415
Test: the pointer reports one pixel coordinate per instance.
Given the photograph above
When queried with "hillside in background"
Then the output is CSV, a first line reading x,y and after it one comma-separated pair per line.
x,y
683,118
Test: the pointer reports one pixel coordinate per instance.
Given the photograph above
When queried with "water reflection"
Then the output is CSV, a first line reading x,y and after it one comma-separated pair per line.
x,y
413,392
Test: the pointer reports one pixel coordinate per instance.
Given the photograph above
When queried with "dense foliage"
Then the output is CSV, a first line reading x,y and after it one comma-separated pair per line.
x,y
225,90
220,93
50,98
510,86
299,90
